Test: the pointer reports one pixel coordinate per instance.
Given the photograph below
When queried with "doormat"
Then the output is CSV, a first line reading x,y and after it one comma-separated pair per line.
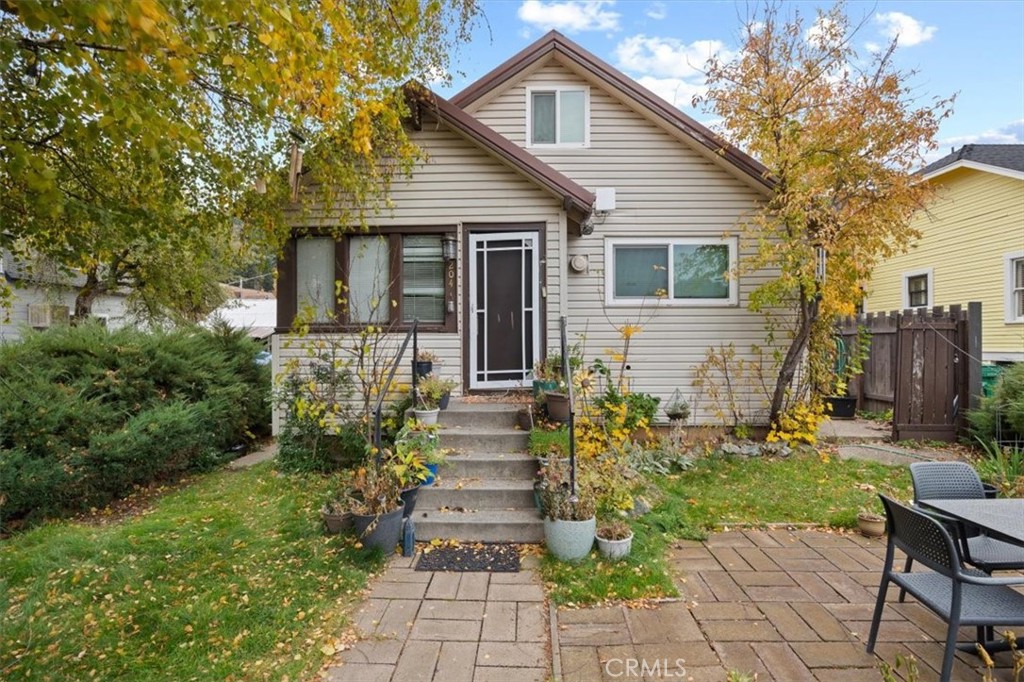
x,y
464,558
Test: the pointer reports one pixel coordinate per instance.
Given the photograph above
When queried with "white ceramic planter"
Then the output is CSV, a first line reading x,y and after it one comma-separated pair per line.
x,y
569,540
615,549
427,416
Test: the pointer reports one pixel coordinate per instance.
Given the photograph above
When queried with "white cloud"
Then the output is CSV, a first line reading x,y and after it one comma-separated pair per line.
x,y
668,57
1011,133
905,28
872,47
570,16
675,91
657,10
823,30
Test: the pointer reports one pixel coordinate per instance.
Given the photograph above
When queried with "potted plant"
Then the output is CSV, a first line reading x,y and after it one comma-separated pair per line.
x,y
407,461
429,391
336,514
848,366
546,374
614,539
421,441
424,363
569,520
376,505
870,523
557,405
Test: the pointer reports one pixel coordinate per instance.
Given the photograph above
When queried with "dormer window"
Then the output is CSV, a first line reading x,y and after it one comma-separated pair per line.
x,y
558,117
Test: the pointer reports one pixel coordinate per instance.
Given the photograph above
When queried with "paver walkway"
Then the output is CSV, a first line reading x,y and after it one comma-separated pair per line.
x,y
449,627
787,605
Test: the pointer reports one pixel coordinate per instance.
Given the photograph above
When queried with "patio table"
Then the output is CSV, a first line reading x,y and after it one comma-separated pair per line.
x,y
1001,518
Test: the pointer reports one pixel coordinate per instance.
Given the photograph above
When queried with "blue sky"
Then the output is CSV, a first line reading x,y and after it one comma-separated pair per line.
x,y
972,48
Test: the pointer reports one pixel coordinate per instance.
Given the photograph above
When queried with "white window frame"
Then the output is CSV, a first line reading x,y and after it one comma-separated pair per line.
x,y
609,273
558,89
1008,288
926,272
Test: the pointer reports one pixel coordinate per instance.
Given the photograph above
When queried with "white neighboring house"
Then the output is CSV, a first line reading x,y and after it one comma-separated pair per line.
x,y
43,299
249,309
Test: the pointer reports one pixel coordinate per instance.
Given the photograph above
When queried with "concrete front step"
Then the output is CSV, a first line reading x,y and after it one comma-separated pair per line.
x,y
474,439
498,465
477,493
480,415
483,525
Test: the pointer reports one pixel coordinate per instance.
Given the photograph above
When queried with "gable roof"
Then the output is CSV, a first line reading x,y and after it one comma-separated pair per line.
x,y
577,201
1001,159
554,43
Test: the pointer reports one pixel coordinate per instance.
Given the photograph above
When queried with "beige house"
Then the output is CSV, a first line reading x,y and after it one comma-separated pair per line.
x,y
554,186
971,247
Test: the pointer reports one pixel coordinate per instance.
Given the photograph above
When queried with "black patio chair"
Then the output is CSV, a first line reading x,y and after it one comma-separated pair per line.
x,y
959,481
959,595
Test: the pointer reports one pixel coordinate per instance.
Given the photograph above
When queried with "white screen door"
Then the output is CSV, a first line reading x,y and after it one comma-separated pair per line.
x,y
504,308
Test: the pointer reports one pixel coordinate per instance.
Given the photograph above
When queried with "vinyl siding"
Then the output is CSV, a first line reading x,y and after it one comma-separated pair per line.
x,y
663,189
975,219
461,184
15,320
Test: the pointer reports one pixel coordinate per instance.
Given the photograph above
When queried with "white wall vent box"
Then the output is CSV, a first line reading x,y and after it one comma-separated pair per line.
x,y
605,199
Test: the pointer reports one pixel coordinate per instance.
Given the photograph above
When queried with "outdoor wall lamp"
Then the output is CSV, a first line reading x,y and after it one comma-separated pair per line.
x,y
449,247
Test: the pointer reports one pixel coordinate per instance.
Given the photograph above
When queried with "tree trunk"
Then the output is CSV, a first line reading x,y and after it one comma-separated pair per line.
x,y
87,295
807,317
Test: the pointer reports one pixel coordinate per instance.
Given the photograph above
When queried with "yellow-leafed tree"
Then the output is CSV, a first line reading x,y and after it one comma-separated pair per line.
x,y
840,136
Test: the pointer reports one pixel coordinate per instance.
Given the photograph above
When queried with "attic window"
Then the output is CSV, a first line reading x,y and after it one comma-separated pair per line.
x,y
558,117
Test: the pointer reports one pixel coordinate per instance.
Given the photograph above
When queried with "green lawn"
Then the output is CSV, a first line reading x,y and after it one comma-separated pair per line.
x,y
228,578
725,490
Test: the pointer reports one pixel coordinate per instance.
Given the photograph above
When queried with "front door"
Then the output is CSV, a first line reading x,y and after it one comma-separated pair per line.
x,y
504,308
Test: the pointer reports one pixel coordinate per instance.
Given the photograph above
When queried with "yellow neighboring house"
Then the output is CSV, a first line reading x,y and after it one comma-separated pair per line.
x,y
971,247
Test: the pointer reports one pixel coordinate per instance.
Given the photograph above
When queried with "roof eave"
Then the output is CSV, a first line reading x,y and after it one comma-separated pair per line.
x,y
576,199
974,165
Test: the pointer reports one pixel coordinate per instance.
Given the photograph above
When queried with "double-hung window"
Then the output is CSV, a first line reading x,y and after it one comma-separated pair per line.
x,y
1015,287
917,289
390,278
558,117
690,271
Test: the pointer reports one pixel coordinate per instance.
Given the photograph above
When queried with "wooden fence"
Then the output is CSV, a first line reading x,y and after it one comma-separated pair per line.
x,y
922,364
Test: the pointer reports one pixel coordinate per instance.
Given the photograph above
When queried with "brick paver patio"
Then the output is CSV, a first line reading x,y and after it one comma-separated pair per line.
x,y
450,627
787,605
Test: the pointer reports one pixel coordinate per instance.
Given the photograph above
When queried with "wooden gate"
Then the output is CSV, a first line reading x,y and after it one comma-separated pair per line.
x,y
919,365
931,375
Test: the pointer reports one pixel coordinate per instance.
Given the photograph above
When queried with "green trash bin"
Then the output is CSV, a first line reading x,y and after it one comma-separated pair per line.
x,y
989,378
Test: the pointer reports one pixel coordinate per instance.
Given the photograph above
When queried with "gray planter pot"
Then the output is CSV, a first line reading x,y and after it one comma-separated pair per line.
x,y
336,523
615,549
382,531
569,540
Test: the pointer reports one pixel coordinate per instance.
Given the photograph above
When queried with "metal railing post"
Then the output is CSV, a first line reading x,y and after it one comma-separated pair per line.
x,y
411,334
567,375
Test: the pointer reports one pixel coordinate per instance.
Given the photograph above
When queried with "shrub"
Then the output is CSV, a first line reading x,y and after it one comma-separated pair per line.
x,y
1007,404
89,413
